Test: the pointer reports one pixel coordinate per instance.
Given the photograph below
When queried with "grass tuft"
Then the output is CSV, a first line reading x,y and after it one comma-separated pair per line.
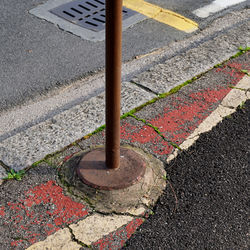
x,y
15,175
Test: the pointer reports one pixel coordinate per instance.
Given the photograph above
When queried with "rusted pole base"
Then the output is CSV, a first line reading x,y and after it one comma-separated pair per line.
x,y
92,170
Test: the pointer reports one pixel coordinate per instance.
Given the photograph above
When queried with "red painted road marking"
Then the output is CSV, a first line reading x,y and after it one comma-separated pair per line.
x,y
179,120
45,207
182,116
117,239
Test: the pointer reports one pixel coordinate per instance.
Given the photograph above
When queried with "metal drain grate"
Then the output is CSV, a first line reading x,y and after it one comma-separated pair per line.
x,y
89,14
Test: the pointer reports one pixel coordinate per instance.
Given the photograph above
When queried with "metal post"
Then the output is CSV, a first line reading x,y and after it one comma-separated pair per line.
x,y
113,81
103,168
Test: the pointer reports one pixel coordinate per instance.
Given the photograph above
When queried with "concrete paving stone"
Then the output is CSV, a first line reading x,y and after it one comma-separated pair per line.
x,y
60,240
133,96
136,134
3,174
162,77
33,144
179,114
244,84
47,106
234,98
36,207
56,159
227,107
96,226
116,239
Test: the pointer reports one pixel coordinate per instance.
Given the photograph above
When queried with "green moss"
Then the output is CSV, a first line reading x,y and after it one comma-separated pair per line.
x,y
133,111
157,130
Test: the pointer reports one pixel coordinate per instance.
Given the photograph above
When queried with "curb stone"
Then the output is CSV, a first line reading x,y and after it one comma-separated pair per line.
x,y
43,192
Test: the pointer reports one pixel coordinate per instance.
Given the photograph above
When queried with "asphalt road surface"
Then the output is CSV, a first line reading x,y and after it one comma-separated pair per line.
x,y
37,56
207,205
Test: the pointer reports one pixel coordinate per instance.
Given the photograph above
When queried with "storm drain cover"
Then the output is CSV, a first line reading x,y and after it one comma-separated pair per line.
x,y
89,14
83,18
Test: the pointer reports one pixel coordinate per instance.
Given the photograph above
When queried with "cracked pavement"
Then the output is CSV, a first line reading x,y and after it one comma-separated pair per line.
x,y
39,211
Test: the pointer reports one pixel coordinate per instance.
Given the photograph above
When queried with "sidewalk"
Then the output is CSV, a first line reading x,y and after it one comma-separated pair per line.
x,y
40,212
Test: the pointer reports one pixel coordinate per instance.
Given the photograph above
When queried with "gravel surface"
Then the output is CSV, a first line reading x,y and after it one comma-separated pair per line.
x,y
206,205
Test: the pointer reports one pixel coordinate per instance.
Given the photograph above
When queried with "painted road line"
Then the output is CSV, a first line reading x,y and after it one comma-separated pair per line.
x,y
215,6
162,15
238,95
116,239
80,95
21,215
62,240
88,231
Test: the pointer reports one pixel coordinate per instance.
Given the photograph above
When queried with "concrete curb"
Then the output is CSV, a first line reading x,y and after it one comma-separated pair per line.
x,y
33,131
95,227
158,129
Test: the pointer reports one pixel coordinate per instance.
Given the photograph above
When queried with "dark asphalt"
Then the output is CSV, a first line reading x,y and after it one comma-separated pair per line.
x,y
36,56
206,206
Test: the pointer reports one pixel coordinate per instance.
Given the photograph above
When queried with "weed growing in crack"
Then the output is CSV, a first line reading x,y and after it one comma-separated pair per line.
x,y
241,51
175,145
228,116
164,177
245,72
73,237
242,105
15,175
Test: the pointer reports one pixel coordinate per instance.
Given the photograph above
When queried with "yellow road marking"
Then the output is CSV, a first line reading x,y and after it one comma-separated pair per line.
x,y
162,15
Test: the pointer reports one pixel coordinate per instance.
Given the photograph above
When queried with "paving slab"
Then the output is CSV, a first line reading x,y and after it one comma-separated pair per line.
x,y
3,174
62,239
166,75
178,115
137,134
36,207
22,149
96,226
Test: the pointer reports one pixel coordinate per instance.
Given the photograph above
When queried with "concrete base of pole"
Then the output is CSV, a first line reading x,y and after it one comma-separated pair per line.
x,y
93,171
142,193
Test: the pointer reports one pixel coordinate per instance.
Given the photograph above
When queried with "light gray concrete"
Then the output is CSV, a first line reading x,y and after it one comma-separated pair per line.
x,y
3,174
164,76
143,192
46,106
45,125
30,145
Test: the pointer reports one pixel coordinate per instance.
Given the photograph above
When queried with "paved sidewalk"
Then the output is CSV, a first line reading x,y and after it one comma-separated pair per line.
x,y
40,212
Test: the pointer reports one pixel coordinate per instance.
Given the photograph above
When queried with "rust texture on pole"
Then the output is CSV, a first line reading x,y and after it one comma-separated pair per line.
x,y
113,81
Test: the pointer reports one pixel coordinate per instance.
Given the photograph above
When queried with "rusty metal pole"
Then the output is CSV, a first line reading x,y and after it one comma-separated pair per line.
x,y
103,168
113,81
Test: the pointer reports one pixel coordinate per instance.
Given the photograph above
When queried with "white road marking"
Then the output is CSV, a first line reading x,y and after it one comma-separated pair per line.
x,y
228,106
214,7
